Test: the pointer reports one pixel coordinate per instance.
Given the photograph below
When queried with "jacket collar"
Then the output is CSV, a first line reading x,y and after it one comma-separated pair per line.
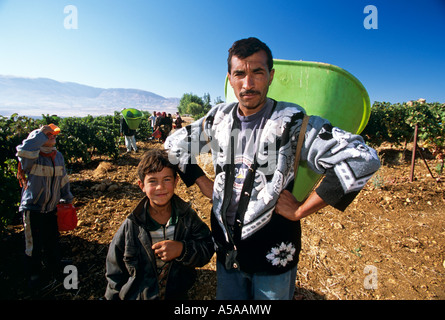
x,y
139,214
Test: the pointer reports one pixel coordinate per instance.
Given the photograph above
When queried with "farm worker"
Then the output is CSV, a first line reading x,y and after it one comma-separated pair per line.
x,y
154,253
255,218
130,140
164,124
44,184
178,121
153,121
169,124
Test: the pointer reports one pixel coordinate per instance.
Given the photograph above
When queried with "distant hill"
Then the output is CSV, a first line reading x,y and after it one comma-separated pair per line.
x,y
37,96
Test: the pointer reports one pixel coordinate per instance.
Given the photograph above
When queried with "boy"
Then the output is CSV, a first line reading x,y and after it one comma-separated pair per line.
x,y
154,253
44,184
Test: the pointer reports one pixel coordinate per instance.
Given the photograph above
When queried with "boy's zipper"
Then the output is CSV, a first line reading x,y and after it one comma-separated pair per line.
x,y
152,255
150,251
175,237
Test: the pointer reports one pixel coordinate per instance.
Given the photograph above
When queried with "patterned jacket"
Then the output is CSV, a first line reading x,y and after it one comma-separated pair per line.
x,y
263,241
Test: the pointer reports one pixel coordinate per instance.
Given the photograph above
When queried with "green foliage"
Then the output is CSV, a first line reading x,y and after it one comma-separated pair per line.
x,y
12,132
218,100
144,131
430,119
9,193
186,99
439,168
395,123
195,106
377,181
79,140
75,138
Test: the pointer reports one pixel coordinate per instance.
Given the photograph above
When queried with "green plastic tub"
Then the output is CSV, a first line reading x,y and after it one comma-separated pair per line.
x,y
321,89
133,117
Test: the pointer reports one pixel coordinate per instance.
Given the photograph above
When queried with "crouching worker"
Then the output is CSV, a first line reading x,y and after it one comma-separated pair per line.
x,y
154,253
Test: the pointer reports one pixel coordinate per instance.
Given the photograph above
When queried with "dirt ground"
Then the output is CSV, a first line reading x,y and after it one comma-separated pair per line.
x,y
387,245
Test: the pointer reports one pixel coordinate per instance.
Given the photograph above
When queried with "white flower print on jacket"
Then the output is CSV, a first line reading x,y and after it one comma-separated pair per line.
x,y
281,255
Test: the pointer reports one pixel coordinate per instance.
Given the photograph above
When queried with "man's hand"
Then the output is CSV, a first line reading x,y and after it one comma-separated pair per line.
x,y
205,185
291,209
287,205
168,250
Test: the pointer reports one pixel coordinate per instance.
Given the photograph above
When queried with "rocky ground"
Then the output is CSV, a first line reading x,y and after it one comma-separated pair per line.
x,y
389,244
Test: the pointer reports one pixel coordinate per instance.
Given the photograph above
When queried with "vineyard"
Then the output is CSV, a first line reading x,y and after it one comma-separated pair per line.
x,y
395,124
80,140
395,225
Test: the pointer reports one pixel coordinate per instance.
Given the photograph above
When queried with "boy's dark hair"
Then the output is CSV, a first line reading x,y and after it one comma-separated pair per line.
x,y
154,160
245,48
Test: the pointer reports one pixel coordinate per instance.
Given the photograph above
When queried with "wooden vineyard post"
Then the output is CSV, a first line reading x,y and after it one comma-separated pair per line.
x,y
413,157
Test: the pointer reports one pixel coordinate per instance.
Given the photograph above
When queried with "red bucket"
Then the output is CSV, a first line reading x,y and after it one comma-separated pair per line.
x,y
66,217
157,134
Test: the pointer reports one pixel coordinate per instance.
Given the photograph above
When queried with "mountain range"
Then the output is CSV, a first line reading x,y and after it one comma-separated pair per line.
x,y
36,96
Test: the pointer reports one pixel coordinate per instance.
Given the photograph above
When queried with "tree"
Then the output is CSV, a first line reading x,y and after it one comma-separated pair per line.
x,y
206,100
218,100
186,99
194,105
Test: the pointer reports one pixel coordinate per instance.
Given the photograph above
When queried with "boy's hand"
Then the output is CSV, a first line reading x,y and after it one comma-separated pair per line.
x,y
47,130
168,250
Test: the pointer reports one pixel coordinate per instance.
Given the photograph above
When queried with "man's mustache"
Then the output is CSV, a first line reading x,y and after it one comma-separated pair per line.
x,y
243,93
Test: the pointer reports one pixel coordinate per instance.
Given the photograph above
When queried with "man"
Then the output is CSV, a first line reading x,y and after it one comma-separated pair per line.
x,y
153,121
129,134
178,121
255,218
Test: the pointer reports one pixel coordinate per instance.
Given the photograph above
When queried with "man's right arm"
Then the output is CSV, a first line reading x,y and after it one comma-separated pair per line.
x,y
291,209
183,146
205,185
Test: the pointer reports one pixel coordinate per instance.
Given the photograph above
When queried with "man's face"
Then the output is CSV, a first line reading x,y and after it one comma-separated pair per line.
x,y
250,79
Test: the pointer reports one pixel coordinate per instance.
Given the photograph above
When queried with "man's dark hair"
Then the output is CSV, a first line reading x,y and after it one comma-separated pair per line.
x,y
154,160
245,48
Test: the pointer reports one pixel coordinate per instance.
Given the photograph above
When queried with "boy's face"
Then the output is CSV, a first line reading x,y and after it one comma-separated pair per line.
x,y
159,186
51,140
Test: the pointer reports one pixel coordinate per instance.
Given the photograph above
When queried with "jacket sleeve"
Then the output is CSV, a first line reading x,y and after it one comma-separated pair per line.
x,y
116,272
121,125
65,189
184,145
344,158
28,151
198,243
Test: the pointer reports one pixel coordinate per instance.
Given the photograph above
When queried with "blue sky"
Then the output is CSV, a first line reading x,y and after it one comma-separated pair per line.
x,y
180,46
